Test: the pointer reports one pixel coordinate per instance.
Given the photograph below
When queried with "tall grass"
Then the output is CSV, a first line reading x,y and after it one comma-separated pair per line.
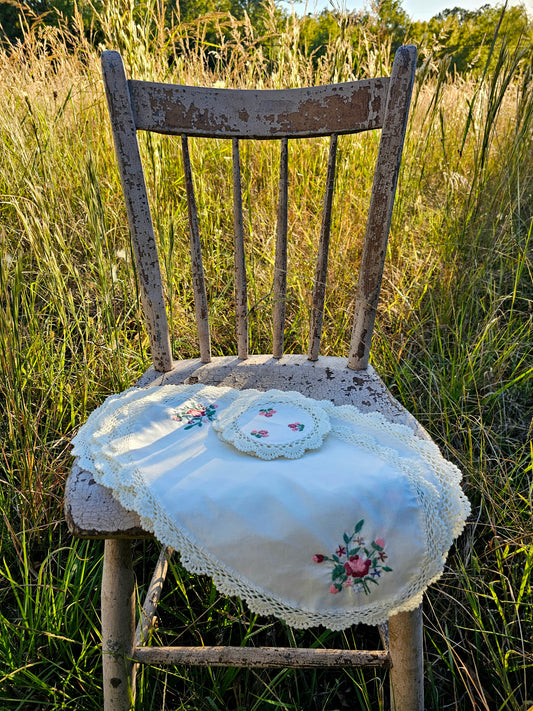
x,y
453,342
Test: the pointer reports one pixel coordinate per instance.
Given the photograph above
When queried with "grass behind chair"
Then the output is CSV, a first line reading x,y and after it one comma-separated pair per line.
x,y
454,344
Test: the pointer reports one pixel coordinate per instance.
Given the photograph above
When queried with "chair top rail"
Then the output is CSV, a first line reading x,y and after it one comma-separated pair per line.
x,y
266,114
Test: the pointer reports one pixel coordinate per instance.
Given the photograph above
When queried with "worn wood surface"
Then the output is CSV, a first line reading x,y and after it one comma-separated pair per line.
x,y
147,616
280,264
118,626
201,308
319,287
92,512
265,657
138,209
241,294
269,113
406,650
381,204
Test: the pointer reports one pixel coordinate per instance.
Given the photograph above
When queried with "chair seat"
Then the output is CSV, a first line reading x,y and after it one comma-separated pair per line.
x,y
91,510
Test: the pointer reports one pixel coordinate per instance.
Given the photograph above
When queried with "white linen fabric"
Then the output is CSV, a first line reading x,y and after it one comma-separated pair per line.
x,y
350,530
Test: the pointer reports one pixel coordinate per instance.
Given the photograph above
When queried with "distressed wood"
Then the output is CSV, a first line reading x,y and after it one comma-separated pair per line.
x,y
146,620
406,650
198,281
138,209
241,295
280,264
261,657
269,113
118,626
319,288
381,204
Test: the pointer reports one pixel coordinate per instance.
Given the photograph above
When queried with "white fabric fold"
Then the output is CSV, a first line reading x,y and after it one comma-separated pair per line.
x,y
353,530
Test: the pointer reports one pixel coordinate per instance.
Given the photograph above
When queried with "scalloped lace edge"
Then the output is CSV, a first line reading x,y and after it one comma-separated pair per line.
x,y
447,520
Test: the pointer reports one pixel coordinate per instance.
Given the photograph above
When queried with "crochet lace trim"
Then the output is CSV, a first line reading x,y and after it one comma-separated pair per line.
x,y
435,481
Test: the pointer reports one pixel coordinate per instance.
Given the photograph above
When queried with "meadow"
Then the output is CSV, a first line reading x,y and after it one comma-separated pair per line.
x,y
453,342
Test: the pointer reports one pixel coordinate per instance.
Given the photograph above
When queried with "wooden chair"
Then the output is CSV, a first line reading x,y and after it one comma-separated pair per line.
x,y
239,115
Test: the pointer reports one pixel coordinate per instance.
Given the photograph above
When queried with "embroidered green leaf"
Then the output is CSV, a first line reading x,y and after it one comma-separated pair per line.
x,y
335,558
376,547
347,538
359,526
338,572
387,569
371,580
354,551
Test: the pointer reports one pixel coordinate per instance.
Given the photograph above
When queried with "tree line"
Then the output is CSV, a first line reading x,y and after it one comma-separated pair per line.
x,y
462,39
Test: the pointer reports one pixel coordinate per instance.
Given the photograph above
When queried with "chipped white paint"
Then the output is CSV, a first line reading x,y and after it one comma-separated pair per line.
x,y
235,113
381,204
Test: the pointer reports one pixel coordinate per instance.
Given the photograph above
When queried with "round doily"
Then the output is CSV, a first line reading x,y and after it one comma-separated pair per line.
x,y
273,424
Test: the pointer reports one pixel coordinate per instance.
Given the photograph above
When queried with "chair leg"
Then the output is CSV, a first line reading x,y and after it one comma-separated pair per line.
x,y
118,626
407,673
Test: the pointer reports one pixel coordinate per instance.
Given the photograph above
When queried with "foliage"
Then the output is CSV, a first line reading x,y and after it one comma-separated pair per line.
x,y
453,341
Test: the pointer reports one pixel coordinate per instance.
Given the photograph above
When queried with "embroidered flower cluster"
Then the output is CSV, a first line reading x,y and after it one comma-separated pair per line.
x,y
196,414
270,412
356,563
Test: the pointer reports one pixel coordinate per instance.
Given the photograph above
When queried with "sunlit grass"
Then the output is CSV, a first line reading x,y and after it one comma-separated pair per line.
x,y
453,342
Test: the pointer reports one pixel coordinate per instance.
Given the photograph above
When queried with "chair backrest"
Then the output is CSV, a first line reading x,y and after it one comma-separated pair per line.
x,y
332,110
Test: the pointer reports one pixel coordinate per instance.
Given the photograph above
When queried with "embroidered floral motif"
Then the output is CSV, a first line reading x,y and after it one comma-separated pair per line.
x,y
259,433
267,412
296,427
196,415
355,567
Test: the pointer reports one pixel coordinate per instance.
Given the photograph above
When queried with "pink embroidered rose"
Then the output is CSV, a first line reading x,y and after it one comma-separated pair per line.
x,y
359,567
296,426
318,557
195,413
380,542
333,590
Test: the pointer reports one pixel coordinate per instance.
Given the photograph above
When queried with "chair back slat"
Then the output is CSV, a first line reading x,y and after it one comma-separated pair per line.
x,y
280,264
319,287
241,295
198,281
381,204
269,113
138,208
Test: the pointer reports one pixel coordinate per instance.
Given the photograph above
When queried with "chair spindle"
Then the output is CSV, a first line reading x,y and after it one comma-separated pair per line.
x,y
241,295
200,296
280,265
319,288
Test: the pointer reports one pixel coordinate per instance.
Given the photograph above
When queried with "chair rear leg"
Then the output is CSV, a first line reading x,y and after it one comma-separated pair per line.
x,y
407,673
118,626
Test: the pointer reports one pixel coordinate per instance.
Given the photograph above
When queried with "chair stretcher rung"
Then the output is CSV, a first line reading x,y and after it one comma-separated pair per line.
x,y
274,657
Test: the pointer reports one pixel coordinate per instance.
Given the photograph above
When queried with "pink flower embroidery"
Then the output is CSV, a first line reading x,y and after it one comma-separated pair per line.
x,y
196,416
296,427
358,567
267,412
259,433
363,567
